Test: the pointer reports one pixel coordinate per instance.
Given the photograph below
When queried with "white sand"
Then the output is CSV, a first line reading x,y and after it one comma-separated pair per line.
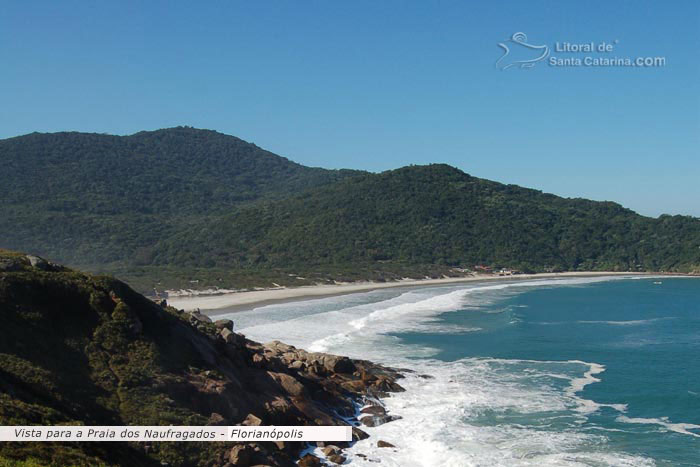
x,y
248,300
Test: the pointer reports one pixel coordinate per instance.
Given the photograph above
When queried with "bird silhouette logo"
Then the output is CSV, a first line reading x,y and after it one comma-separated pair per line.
x,y
518,53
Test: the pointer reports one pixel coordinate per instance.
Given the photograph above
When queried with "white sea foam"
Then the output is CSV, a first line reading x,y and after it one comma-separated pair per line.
x,y
682,428
635,322
310,323
485,412
475,411
578,384
403,312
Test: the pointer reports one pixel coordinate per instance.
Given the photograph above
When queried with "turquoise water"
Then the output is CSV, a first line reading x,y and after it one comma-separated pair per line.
x,y
646,335
574,372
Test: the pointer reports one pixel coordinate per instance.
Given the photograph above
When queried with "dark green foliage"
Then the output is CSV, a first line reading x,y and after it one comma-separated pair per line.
x,y
436,215
97,199
168,207
79,349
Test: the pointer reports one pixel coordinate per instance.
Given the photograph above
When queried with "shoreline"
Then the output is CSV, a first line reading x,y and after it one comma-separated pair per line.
x,y
232,302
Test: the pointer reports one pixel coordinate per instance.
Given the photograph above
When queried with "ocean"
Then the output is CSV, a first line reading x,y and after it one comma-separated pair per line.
x,y
568,372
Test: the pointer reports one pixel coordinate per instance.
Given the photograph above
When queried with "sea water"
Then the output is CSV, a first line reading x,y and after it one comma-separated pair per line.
x,y
585,371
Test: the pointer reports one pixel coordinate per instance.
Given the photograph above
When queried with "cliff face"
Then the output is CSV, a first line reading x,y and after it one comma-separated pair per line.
x,y
82,349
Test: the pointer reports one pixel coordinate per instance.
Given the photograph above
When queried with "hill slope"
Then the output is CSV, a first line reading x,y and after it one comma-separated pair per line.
x,y
183,205
94,199
438,215
81,349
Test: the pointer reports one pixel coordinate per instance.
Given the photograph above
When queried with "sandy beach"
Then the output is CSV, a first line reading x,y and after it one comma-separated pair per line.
x,y
241,301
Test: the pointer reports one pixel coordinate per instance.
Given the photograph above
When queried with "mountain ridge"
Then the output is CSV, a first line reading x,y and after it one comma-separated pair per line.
x,y
187,206
410,214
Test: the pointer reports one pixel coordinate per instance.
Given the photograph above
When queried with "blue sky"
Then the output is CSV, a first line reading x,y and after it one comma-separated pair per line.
x,y
377,85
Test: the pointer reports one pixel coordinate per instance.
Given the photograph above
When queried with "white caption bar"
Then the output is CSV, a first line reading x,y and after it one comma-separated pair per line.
x,y
175,433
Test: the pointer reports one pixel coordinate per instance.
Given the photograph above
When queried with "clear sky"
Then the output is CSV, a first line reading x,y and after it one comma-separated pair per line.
x,y
379,84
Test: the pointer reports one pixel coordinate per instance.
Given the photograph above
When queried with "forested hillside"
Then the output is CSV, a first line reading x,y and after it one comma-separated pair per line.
x,y
182,205
438,215
94,199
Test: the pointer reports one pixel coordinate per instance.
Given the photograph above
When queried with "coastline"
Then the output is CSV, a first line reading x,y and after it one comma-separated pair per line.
x,y
217,304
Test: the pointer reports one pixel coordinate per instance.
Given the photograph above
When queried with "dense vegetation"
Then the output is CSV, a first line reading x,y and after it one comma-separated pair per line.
x,y
77,349
94,199
438,215
185,204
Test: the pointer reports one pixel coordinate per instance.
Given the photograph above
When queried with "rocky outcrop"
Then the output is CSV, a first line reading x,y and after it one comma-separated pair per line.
x,y
197,316
376,420
222,324
309,460
241,454
11,261
373,410
336,458
102,354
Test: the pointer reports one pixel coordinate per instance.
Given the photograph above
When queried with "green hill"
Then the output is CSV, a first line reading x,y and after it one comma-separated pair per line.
x,y
183,206
437,215
94,199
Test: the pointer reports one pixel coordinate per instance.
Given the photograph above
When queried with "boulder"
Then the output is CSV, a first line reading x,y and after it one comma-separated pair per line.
x,y
279,407
289,357
288,383
252,420
358,435
297,365
314,368
336,364
227,335
241,455
336,458
357,387
259,361
224,324
385,384
376,420
374,410
39,263
278,347
384,444
330,450
309,460
196,316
